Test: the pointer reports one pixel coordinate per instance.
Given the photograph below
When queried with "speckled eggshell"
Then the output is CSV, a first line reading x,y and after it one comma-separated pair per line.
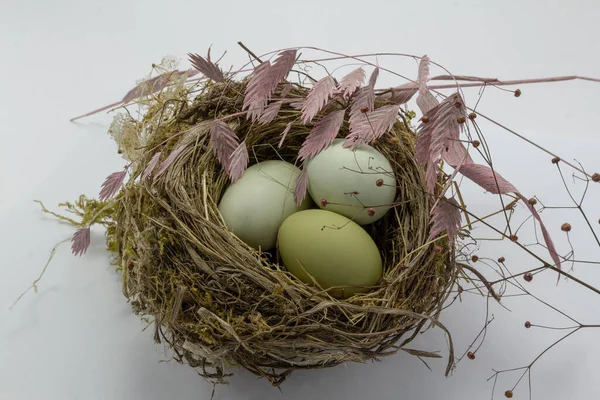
x,y
347,180
331,249
254,207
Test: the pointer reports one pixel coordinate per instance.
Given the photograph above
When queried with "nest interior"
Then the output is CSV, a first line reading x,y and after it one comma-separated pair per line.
x,y
218,303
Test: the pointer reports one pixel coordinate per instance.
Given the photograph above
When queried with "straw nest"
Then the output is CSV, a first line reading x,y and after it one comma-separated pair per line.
x,y
218,303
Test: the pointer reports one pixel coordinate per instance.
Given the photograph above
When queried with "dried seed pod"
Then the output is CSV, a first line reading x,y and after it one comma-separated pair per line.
x,y
528,276
566,227
517,92
508,394
501,259
476,143
527,324
471,355
472,116
555,160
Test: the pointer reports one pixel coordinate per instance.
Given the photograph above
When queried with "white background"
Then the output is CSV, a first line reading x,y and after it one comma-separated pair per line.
x,y
77,338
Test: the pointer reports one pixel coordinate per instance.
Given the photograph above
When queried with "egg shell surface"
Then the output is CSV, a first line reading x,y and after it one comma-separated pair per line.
x,y
255,206
331,249
347,180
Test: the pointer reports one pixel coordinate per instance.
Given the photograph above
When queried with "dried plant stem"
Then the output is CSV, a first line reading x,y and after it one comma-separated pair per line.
x,y
34,284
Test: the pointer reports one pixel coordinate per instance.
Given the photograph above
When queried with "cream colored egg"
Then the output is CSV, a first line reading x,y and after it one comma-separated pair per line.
x,y
331,249
254,207
345,181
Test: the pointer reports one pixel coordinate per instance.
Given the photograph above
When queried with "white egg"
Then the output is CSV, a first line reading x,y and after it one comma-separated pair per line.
x,y
345,181
255,206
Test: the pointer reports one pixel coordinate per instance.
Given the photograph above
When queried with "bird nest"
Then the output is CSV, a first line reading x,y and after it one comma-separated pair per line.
x,y
218,302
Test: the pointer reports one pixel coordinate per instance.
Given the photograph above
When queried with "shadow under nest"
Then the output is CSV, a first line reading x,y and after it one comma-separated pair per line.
x,y
219,303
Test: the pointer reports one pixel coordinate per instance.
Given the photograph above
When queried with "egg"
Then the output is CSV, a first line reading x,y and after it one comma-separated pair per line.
x,y
254,207
357,183
332,250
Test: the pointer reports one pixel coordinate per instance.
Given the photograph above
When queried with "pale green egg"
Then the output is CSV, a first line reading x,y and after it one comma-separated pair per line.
x,y
357,183
254,207
332,250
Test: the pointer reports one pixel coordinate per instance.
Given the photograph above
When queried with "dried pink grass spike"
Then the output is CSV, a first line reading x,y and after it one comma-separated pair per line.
x,y
322,135
112,184
435,137
487,178
317,98
151,165
445,217
284,134
270,112
375,124
300,187
207,67
223,141
80,241
238,162
264,81
169,160
351,82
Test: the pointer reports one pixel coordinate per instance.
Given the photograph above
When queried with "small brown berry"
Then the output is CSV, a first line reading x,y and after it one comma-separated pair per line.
x,y
532,201
425,119
364,109
474,258
374,142
458,104
566,227
324,202
437,249
513,238
371,212
501,259
596,177
379,182
394,139
527,324
476,143
461,120
508,394
472,116
517,92
471,355
528,276
555,160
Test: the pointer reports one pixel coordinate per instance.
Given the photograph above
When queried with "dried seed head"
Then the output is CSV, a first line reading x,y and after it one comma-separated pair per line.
x,y
425,119
324,202
371,212
461,120
379,182
375,142
471,355
513,238
437,249
508,394
364,109
532,201
527,324
476,143
501,259
555,160
394,139
596,177
566,227
472,115
528,276
517,92
474,258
